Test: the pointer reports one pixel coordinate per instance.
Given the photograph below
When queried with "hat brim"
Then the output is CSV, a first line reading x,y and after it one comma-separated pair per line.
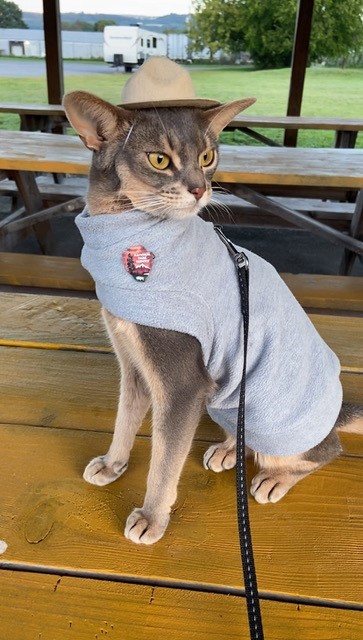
x,y
200,103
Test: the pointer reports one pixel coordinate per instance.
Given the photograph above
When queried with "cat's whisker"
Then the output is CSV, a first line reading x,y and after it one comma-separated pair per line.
x,y
128,136
222,209
218,187
161,122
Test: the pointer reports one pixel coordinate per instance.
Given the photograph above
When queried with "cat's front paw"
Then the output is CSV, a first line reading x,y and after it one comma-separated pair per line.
x,y
220,457
145,530
269,486
99,472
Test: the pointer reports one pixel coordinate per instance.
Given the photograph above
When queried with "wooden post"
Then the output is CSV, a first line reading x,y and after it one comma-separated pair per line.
x,y
298,65
53,50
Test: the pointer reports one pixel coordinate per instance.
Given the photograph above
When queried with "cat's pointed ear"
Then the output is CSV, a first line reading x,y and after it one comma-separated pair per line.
x,y
219,117
95,120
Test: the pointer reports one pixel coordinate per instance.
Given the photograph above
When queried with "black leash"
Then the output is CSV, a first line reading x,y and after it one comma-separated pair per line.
x,y
248,564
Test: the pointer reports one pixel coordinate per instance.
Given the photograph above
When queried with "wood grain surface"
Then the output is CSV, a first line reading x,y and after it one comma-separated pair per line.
x,y
80,389
315,291
73,323
51,518
342,168
20,269
93,609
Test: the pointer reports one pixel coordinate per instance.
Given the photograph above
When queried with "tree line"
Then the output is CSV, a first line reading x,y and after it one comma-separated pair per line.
x,y
11,17
265,29
262,28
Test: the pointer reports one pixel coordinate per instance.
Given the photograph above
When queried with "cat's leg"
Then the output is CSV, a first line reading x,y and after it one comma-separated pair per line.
x,y
133,404
221,456
279,473
179,386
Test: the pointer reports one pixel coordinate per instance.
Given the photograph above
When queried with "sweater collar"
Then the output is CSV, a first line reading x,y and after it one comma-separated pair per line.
x,y
105,229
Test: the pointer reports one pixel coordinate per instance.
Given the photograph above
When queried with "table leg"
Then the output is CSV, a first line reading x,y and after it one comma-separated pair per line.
x,y
356,231
32,200
345,139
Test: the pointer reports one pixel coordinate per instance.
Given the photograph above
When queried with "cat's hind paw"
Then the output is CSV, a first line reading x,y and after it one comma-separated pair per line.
x,y
145,530
220,457
99,472
271,487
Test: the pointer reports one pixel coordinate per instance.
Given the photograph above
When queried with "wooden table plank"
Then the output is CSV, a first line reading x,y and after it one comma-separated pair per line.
x,y
276,122
20,269
316,291
326,292
67,390
298,122
342,168
96,609
289,166
48,321
80,390
52,519
32,109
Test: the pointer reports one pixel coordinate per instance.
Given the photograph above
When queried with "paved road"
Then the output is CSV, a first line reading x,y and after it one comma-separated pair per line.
x,y
20,68
23,68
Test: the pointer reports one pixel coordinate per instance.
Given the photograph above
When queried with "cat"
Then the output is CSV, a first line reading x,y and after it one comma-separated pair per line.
x,y
155,166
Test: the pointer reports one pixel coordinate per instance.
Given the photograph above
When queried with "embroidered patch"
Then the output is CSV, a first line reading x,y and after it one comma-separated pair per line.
x,y
138,262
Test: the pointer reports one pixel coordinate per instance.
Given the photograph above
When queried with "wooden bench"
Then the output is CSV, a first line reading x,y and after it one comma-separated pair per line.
x,y
346,130
67,274
49,118
62,544
240,168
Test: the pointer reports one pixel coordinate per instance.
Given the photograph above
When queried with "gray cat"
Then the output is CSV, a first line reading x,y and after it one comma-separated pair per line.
x,y
150,256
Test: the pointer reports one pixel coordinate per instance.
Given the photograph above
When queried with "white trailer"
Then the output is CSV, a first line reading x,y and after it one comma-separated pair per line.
x,y
130,46
178,47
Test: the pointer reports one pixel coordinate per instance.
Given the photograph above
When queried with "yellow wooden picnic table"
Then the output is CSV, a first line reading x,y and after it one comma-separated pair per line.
x,y
65,567
240,168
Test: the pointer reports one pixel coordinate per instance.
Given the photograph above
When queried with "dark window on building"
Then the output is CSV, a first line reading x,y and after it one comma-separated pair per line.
x,y
142,42
148,44
155,43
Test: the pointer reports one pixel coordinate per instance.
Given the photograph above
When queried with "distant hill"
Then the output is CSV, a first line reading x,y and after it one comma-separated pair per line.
x,y
172,21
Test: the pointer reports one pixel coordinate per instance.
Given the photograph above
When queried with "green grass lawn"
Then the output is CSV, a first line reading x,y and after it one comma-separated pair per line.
x,y
328,92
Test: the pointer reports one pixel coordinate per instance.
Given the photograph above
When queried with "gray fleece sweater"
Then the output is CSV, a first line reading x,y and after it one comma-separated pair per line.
x,y
177,274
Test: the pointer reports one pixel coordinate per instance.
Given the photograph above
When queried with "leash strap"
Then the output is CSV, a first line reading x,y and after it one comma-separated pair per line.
x,y
248,564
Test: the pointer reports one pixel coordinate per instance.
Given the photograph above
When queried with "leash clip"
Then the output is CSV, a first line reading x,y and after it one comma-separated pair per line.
x,y
240,258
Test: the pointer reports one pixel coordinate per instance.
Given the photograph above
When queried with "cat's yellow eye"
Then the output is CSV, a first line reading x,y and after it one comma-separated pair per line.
x,y
159,160
206,158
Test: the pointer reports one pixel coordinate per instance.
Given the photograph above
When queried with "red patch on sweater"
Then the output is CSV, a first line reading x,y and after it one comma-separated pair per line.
x,y
138,262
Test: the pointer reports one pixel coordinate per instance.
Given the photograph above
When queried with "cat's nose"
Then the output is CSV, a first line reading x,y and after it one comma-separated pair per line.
x,y
198,192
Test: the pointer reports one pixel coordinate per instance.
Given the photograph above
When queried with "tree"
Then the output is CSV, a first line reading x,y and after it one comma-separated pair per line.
x,y
11,17
269,31
337,29
265,28
216,24
78,25
101,24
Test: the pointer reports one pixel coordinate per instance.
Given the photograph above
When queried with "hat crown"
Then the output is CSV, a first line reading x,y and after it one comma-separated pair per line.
x,y
158,79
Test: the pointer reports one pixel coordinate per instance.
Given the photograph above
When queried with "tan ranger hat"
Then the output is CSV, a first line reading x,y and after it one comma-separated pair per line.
x,y
160,82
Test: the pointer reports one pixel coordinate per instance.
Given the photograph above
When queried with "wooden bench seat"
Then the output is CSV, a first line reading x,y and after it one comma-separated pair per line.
x,y
49,337
62,543
102,609
52,518
53,272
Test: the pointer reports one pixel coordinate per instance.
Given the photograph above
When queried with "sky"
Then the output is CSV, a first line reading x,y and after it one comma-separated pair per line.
x,y
122,7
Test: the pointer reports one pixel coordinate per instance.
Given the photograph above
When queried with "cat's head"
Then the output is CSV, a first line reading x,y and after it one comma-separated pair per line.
x,y
160,161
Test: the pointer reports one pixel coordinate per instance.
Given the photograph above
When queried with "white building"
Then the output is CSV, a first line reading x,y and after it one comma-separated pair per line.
x,y
30,42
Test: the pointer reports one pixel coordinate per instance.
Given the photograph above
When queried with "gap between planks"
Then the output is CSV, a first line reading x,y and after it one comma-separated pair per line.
x,y
179,585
